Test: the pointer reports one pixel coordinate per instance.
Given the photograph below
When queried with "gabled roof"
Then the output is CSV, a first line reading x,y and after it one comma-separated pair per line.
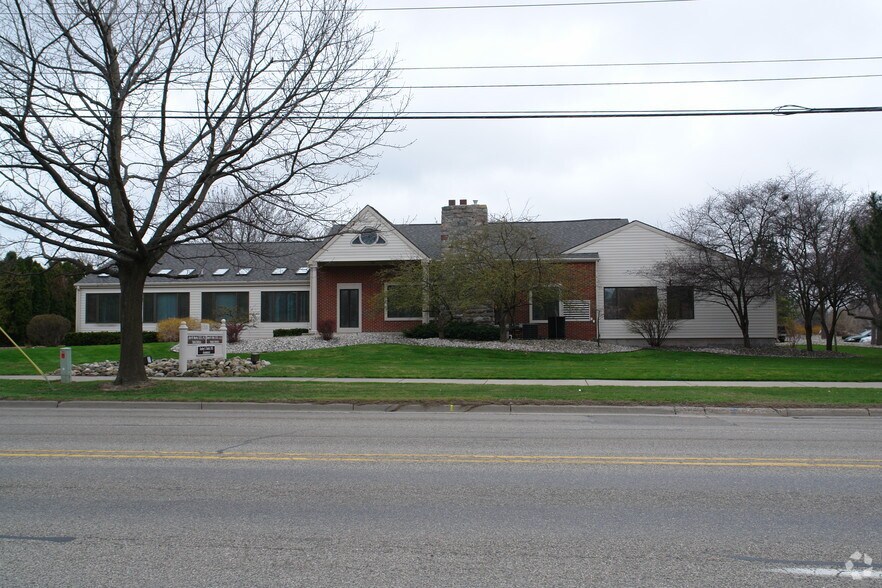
x,y
625,226
205,258
338,232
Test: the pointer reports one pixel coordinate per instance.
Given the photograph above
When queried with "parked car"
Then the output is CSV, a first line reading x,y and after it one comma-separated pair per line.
x,y
859,338
867,339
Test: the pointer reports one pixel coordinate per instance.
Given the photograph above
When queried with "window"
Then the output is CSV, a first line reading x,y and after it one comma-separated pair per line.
x,y
186,272
279,271
244,271
220,271
302,271
162,305
681,302
544,304
284,307
619,303
397,307
369,237
164,272
102,308
224,305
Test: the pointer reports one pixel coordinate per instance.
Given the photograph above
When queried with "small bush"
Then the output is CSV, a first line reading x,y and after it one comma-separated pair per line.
x,y
426,331
47,329
168,330
289,332
326,329
101,338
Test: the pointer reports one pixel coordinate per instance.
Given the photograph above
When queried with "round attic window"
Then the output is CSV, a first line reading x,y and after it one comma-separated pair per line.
x,y
368,237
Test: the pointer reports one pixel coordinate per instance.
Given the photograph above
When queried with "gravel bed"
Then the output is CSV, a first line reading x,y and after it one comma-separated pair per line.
x,y
769,351
304,342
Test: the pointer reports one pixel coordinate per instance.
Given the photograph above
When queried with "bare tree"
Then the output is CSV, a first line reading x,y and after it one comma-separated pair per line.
x,y
262,220
121,119
733,261
817,250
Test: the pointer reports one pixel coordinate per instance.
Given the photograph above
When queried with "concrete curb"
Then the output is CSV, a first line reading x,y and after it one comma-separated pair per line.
x,y
575,409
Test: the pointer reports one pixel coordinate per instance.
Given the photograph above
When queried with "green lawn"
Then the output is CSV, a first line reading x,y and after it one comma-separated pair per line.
x,y
13,363
205,391
405,361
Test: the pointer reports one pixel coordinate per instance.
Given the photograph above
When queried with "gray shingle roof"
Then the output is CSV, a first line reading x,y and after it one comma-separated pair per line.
x,y
562,235
263,258
205,258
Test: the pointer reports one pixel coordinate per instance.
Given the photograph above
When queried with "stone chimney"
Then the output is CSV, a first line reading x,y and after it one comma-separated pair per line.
x,y
458,219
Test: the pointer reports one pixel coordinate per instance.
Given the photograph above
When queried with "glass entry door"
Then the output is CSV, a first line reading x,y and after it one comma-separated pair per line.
x,y
349,308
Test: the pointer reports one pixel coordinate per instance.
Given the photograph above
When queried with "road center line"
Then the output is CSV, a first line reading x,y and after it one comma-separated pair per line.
x,y
713,461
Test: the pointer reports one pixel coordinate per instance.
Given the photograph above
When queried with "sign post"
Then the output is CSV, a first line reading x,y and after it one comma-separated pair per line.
x,y
202,344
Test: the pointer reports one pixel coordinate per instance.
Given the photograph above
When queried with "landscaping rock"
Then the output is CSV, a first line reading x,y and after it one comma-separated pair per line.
x,y
162,368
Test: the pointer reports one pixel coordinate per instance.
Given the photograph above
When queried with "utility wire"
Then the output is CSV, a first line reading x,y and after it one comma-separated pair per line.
x,y
635,83
626,64
568,84
787,110
508,6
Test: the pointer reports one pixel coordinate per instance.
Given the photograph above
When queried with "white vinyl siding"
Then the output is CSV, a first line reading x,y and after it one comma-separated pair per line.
x,y
626,252
341,248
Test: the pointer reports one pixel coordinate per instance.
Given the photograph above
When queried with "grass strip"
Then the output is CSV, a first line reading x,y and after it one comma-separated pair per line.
x,y
407,361
366,393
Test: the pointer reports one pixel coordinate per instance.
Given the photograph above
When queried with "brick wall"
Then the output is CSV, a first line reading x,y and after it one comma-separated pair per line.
x,y
372,320
581,286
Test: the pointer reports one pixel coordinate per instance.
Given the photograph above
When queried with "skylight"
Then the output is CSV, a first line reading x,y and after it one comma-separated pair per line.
x,y
164,272
243,271
220,271
279,271
302,270
186,271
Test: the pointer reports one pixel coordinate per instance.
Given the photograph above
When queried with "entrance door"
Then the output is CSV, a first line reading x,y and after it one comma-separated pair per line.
x,y
349,308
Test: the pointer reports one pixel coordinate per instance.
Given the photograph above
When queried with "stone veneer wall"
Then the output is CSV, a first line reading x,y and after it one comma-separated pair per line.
x,y
457,219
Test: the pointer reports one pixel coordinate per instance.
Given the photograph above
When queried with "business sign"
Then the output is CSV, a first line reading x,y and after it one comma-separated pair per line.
x,y
202,344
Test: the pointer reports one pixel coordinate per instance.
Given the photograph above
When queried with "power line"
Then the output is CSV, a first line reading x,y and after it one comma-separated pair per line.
x,y
509,6
573,84
788,110
430,8
628,64
635,83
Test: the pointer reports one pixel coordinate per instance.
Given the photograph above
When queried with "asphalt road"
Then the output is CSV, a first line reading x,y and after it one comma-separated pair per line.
x,y
122,497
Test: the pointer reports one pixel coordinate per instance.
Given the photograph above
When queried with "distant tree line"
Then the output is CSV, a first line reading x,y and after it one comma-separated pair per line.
x,y
28,289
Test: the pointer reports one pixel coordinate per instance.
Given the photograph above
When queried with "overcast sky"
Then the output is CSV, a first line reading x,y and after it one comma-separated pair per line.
x,y
644,169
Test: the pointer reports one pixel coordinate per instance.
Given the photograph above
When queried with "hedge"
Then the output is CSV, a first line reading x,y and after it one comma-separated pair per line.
x,y
289,332
101,338
455,330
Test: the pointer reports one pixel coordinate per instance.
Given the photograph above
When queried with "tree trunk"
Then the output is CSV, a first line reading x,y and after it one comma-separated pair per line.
x,y
808,334
745,332
131,322
503,327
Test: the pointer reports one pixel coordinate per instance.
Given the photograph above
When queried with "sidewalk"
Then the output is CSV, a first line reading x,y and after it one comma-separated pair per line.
x,y
488,382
